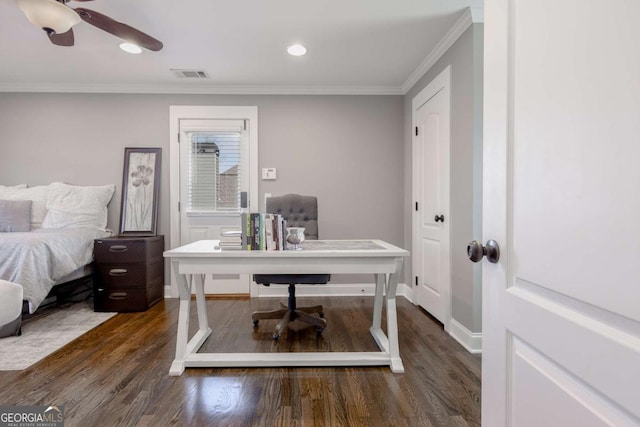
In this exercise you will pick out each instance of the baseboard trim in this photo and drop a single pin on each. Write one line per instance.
(223, 296)
(471, 341)
(407, 292)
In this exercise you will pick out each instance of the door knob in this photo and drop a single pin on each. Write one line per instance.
(439, 218)
(476, 251)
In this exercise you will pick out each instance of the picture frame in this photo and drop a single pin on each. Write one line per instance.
(140, 191)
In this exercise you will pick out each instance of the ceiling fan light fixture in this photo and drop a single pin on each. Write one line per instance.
(130, 48)
(296, 50)
(49, 14)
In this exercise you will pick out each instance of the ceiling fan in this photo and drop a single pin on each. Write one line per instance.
(56, 19)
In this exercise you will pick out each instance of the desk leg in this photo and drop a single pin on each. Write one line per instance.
(392, 319)
(184, 289)
(201, 304)
(377, 302)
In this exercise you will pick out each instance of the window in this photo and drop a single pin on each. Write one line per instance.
(214, 159)
(214, 171)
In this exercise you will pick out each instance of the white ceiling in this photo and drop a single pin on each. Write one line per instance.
(359, 46)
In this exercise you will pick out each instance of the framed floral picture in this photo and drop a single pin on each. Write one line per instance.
(140, 191)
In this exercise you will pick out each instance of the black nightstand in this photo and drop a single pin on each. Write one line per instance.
(129, 273)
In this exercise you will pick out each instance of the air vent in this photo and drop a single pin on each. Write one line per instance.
(190, 74)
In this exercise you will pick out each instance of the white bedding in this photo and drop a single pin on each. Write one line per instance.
(39, 258)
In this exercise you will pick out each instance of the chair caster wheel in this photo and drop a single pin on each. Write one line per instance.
(255, 322)
(319, 330)
(321, 313)
(276, 336)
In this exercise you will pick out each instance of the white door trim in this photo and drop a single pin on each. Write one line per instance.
(178, 112)
(441, 80)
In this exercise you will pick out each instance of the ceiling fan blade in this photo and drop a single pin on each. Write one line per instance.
(63, 39)
(119, 29)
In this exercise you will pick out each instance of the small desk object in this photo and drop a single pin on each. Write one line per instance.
(192, 262)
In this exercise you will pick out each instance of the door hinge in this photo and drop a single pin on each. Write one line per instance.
(178, 206)
(416, 206)
(178, 138)
(245, 125)
(416, 280)
(416, 130)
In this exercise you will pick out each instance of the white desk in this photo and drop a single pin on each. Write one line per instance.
(192, 262)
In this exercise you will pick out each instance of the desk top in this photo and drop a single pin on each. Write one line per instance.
(310, 248)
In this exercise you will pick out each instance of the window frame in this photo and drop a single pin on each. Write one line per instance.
(187, 126)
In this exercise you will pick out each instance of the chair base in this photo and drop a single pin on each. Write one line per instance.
(287, 315)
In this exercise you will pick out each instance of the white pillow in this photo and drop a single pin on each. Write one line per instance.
(77, 206)
(14, 186)
(37, 195)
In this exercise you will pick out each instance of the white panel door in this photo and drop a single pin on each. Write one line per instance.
(561, 308)
(431, 255)
(214, 170)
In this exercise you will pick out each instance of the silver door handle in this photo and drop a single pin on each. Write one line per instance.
(476, 251)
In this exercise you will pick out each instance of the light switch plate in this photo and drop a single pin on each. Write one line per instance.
(268, 173)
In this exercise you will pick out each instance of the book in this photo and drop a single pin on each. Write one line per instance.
(258, 231)
(246, 231)
(231, 238)
(268, 232)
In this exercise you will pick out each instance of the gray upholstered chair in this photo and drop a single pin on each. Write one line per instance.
(298, 211)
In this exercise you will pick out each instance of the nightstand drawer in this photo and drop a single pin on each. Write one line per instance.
(122, 300)
(122, 276)
(120, 252)
(128, 273)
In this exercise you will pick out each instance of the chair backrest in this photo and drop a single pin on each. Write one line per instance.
(299, 211)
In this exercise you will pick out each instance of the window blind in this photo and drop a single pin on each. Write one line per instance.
(214, 171)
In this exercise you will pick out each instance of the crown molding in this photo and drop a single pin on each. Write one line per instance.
(202, 90)
(477, 15)
(471, 15)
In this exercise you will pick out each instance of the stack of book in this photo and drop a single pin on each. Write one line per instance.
(231, 239)
(263, 232)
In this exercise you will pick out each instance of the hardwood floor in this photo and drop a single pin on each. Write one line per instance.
(117, 374)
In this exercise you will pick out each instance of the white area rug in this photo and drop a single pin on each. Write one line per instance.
(48, 332)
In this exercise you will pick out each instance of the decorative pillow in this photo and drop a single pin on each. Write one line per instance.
(77, 206)
(37, 195)
(15, 215)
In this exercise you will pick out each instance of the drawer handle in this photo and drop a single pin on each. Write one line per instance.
(118, 248)
(117, 271)
(118, 295)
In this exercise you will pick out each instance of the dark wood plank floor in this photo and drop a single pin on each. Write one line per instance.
(117, 374)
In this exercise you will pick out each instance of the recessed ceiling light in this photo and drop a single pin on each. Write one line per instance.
(296, 50)
(130, 48)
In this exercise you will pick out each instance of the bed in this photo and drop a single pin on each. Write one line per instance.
(42, 258)
(47, 234)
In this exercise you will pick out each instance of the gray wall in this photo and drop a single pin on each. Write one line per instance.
(465, 58)
(353, 152)
(347, 150)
